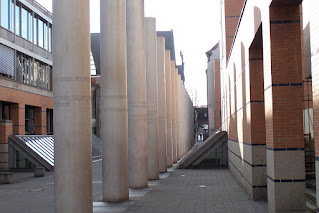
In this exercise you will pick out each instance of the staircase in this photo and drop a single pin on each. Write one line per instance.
(200, 151)
(311, 196)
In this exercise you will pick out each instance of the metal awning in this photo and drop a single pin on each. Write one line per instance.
(39, 149)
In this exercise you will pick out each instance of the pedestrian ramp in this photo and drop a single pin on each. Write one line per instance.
(39, 149)
(201, 151)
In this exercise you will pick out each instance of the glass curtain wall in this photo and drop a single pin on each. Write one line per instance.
(28, 26)
(7, 14)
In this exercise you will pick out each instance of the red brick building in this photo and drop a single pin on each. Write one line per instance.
(268, 66)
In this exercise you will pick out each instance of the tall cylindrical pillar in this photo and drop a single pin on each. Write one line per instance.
(114, 118)
(177, 78)
(179, 115)
(162, 126)
(72, 107)
(173, 98)
(169, 147)
(151, 91)
(136, 87)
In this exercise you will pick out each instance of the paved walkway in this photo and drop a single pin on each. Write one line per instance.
(177, 191)
(199, 191)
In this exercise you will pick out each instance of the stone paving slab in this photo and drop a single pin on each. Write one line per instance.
(198, 191)
(177, 191)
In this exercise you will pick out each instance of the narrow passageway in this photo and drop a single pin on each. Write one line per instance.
(200, 191)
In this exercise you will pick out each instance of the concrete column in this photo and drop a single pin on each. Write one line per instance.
(114, 117)
(178, 110)
(5, 130)
(211, 97)
(173, 94)
(136, 87)
(177, 115)
(178, 77)
(40, 121)
(162, 125)
(72, 107)
(151, 91)
(169, 147)
(180, 117)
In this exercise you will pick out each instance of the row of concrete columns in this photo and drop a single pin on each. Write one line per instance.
(146, 114)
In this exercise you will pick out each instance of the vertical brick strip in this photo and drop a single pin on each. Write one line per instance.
(18, 118)
(40, 121)
(5, 131)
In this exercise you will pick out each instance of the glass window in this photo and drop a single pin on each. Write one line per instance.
(17, 20)
(50, 39)
(29, 120)
(30, 26)
(24, 23)
(40, 22)
(12, 15)
(45, 40)
(35, 33)
(5, 14)
(50, 121)
(36, 73)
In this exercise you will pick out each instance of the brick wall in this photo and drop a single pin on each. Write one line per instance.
(262, 100)
(232, 13)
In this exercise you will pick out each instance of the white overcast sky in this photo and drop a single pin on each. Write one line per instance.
(196, 25)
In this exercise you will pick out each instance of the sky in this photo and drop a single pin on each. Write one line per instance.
(196, 26)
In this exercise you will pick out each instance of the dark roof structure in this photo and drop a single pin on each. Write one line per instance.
(169, 42)
(181, 71)
(95, 48)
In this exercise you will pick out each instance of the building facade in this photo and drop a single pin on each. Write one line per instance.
(268, 72)
(26, 105)
(213, 89)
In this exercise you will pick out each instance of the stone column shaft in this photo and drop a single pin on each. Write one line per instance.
(173, 85)
(151, 91)
(169, 147)
(162, 126)
(114, 115)
(72, 107)
(180, 116)
(136, 86)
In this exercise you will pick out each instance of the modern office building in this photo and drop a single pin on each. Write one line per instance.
(26, 84)
(25, 72)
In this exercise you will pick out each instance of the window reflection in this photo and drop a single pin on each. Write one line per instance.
(35, 33)
(33, 72)
(29, 26)
(17, 20)
(40, 22)
(24, 23)
(5, 14)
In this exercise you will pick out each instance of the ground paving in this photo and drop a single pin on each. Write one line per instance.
(197, 191)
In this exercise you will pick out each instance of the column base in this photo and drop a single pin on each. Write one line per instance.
(6, 177)
(39, 172)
